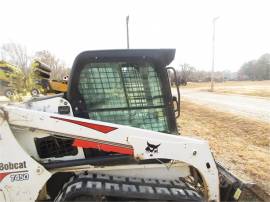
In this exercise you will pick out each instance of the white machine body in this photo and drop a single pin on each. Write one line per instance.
(22, 175)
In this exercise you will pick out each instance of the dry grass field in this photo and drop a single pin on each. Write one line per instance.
(242, 145)
(250, 88)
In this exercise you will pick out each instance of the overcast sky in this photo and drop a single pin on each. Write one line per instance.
(68, 27)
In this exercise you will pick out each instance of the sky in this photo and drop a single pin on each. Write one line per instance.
(68, 27)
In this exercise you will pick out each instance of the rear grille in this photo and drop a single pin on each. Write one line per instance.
(57, 147)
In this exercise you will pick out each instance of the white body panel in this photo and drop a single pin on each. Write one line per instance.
(47, 104)
(26, 138)
(187, 150)
(12, 153)
(155, 171)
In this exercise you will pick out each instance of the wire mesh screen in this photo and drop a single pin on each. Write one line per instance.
(124, 94)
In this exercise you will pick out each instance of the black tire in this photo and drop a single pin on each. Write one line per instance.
(9, 93)
(88, 198)
(102, 187)
(35, 92)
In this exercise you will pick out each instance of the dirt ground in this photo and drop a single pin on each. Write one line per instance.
(250, 88)
(242, 145)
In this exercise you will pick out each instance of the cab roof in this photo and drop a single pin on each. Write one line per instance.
(162, 57)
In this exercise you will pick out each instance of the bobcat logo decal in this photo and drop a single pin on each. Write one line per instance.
(151, 148)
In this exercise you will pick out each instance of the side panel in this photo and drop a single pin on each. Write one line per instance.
(26, 138)
(47, 105)
(21, 178)
(154, 171)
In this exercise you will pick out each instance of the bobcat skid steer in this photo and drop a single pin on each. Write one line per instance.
(111, 137)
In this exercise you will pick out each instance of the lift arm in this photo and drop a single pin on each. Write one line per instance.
(142, 144)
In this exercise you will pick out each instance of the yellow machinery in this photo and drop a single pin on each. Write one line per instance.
(11, 79)
(40, 80)
(58, 86)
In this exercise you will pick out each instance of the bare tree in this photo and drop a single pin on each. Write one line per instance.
(16, 54)
(183, 76)
(58, 67)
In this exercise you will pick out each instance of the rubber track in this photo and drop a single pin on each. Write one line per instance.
(128, 188)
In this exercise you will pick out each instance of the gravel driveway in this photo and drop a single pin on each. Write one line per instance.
(251, 107)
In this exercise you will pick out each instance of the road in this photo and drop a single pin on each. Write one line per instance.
(251, 107)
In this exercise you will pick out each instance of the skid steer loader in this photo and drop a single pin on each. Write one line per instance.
(11, 79)
(111, 137)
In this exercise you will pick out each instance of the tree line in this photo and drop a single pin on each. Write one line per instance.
(17, 54)
(254, 70)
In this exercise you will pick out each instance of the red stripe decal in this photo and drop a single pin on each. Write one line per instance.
(102, 146)
(97, 127)
(3, 175)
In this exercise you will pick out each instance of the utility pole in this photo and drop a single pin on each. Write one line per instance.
(127, 21)
(213, 54)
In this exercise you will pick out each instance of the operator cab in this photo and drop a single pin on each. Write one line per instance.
(127, 87)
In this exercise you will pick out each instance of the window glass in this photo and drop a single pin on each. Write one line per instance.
(128, 94)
